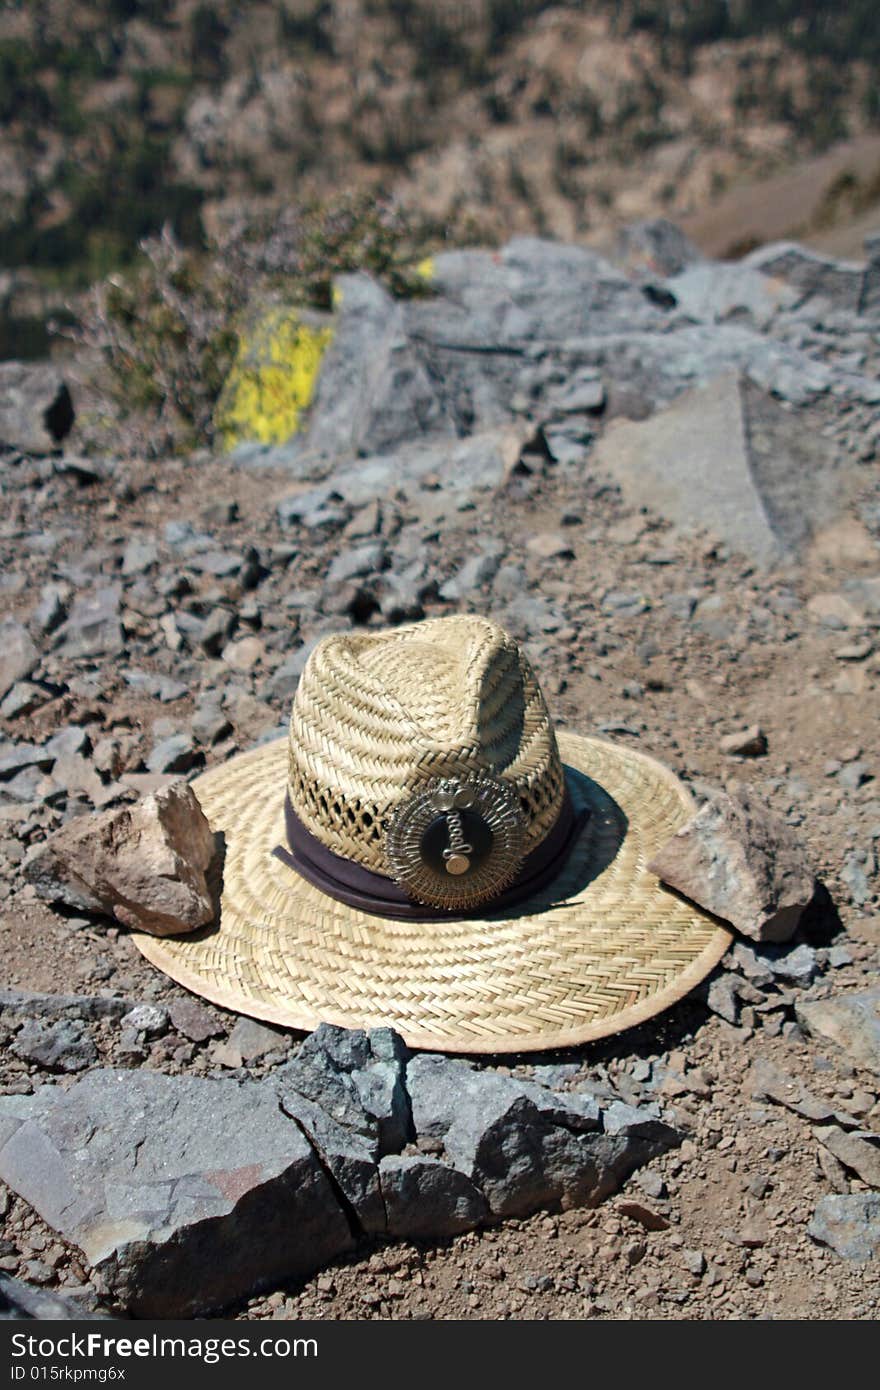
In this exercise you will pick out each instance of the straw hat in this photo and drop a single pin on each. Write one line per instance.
(425, 852)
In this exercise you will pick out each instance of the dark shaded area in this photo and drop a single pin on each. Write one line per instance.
(60, 415)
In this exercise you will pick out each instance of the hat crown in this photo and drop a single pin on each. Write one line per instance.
(378, 715)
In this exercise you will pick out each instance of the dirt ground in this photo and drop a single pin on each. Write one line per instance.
(714, 1230)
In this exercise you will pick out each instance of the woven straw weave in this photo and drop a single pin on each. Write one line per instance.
(378, 714)
(604, 948)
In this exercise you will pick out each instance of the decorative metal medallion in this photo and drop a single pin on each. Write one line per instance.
(457, 842)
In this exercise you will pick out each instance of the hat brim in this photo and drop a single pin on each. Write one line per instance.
(602, 948)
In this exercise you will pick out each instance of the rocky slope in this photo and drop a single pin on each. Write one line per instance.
(536, 410)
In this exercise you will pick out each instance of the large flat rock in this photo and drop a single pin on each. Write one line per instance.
(727, 458)
(183, 1193)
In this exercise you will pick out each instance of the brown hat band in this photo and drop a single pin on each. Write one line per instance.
(361, 888)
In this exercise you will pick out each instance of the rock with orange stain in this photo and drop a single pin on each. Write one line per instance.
(183, 1193)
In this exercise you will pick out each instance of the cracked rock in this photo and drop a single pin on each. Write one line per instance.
(358, 1079)
(424, 1198)
(183, 1193)
(523, 1146)
(145, 865)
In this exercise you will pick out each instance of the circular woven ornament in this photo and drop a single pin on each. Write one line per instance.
(602, 948)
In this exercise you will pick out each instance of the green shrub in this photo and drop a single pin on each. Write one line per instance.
(166, 330)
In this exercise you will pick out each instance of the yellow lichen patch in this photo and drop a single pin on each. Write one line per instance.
(425, 268)
(272, 380)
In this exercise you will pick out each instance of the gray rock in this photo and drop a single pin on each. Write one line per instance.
(22, 699)
(139, 556)
(67, 742)
(26, 1003)
(51, 609)
(657, 246)
(382, 1089)
(583, 394)
(795, 965)
(752, 965)
(746, 743)
(850, 1225)
(150, 1019)
(18, 655)
(199, 1191)
(358, 1079)
(694, 1262)
(174, 754)
(210, 724)
(855, 876)
(400, 595)
(285, 678)
(356, 563)
(474, 573)
(145, 865)
(523, 1146)
(859, 1151)
(15, 756)
(216, 630)
(712, 293)
(156, 685)
(850, 1020)
(21, 1300)
(837, 282)
(61, 1046)
(510, 581)
(348, 1156)
(93, 627)
(769, 1082)
(346, 1089)
(193, 1020)
(36, 411)
(219, 563)
(726, 457)
(373, 391)
(426, 1199)
(248, 1041)
(723, 998)
(740, 862)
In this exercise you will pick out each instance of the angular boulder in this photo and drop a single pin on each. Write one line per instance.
(850, 1020)
(727, 457)
(145, 865)
(18, 655)
(21, 1300)
(848, 1224)
(425, 1198)
(738, 861)
(36, 411)
(346, 1089)
(93, 627)
(183, 1193)
(523, 1146)
(840, 283)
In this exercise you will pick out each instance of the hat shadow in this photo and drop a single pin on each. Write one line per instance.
(597, 844)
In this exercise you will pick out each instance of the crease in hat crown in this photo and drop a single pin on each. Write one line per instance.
(376, 716)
